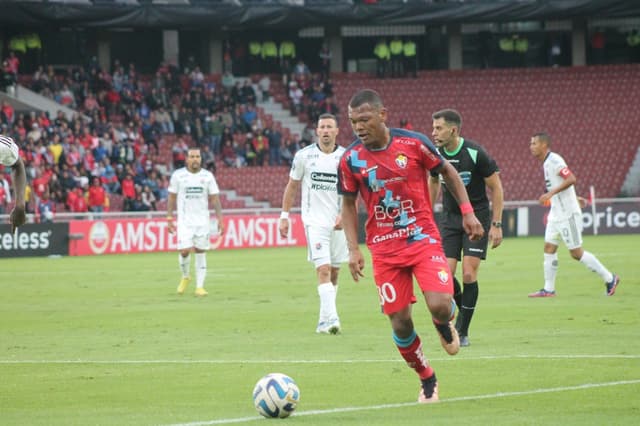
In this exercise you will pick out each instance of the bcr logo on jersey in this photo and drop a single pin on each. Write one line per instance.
(392, 212)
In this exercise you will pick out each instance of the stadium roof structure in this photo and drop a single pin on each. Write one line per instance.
(262, 14)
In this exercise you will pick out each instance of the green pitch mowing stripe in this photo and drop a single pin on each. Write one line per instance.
(310, 361)
(408, 404)
(105, 341)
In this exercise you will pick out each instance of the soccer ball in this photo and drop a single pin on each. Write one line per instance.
(276, 395)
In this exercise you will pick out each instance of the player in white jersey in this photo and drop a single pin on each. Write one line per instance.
(10, 157)
(315, 169)
(564, 220)
(191, 190)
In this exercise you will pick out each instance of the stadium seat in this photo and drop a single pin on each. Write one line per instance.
(590, 112)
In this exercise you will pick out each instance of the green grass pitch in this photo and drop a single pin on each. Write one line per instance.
(106, 341)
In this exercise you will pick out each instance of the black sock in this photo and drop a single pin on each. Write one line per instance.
(468, 306)
(457, 297)
(444, 331)
(457, 292)
(428, 385)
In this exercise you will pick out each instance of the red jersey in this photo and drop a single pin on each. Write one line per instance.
(393, 184)
(39, 185)
(86, 140)
(80, 205)
(97, 196)
(72, 197)
(128, 188)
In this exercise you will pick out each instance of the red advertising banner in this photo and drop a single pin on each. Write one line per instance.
(91, 237)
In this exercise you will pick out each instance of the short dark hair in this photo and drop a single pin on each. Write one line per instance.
(450, 116)
(326, 115)
(366, 96)
(543, 137)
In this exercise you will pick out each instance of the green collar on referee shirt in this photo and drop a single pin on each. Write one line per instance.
(457, 150)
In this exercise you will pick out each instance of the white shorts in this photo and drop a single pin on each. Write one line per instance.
(326, 246)
(569, 230)
(193, 236)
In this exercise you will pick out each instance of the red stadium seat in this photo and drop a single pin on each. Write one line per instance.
(590, 112)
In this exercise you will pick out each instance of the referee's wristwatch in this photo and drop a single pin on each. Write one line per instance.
(497, 224)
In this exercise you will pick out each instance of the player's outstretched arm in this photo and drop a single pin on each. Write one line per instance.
(583, 202)
(290, 192)
(17, 217)
(338, 224)
(350, 225)
(214, 200)
(171, 207)
(434, 189)
(470, 222)
(497, 203)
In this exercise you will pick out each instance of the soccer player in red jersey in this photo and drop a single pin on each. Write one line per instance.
(389, 168)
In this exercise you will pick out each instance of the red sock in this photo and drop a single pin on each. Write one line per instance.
(415, 358)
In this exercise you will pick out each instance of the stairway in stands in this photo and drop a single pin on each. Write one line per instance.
(591, 113)
(277, 108)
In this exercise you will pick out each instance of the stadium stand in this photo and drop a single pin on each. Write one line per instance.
(590, 112)
(261, 183)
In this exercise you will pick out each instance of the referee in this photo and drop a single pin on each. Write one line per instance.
(478, 171)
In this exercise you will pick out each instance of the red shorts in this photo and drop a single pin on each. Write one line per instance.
(394, 276)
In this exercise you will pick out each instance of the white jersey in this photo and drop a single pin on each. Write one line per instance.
(193, 191)
(319, 174)
(9, 151)
(565, 203)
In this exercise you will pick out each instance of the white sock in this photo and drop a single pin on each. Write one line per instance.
(550, 266)
(327, 301)
(201, 269)
(334, 295)
(185, 264)
(592, 262)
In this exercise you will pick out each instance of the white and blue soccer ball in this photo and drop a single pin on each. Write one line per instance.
(276, 395)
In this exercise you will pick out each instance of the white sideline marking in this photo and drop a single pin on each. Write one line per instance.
(306, 361)
(407, 404)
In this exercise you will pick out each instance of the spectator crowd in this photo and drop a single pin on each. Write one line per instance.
(129, 132)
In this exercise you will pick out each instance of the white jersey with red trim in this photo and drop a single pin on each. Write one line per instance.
(318, 172)
(9, 151)
(565, 203)
(193, 191)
